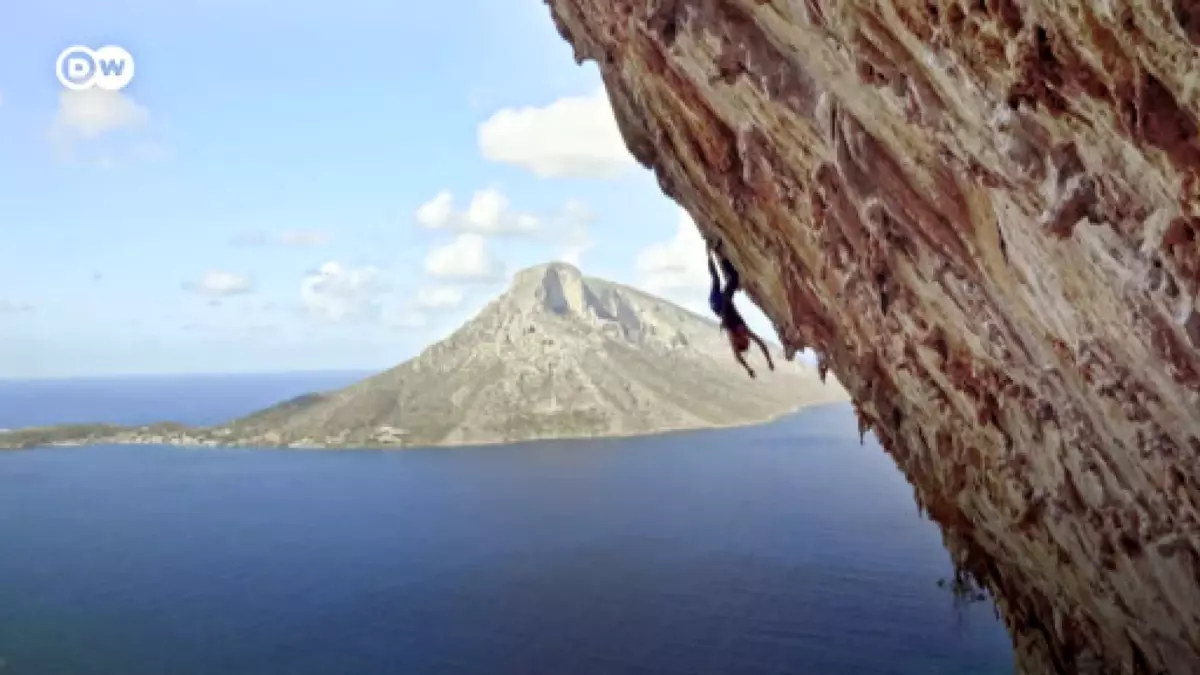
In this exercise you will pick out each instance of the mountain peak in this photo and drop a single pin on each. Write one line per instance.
(558, 287)
(552, 267)
(559, 354)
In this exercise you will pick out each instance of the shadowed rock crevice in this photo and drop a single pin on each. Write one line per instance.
(983, 216)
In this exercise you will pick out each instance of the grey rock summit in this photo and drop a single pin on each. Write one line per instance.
(558, 355)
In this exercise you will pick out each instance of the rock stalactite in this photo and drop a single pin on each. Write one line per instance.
(983, 216)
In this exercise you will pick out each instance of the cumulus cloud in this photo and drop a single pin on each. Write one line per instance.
(677, 269)
(336, 292)
(219, 284)
(89, 114)
(439, 297)
(288, 238)
(93, 112)
(417, 312)
(466, 259)
(489, 212)
(573, 137)
(437, 212)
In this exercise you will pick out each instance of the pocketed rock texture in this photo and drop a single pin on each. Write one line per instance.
(983, 216)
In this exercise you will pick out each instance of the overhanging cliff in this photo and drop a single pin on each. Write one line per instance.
(983, 216)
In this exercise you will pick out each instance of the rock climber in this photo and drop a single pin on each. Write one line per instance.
(721, 303)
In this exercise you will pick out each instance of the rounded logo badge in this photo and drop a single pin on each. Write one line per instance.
(79, 68)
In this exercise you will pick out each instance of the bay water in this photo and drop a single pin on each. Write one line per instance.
(776, 549)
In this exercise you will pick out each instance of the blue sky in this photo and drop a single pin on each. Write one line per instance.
(330, 187)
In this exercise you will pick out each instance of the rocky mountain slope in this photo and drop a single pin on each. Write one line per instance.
(984, 217)
(557, 355)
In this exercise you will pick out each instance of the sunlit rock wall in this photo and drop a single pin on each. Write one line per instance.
(983, 216)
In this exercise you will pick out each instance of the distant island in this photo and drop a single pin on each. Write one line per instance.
(558, 355)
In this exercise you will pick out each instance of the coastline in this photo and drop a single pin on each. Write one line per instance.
(212, 438)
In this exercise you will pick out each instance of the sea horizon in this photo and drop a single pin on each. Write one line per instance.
(140, 399)
(205, 374)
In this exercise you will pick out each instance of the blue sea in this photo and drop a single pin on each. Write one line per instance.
(779, 549)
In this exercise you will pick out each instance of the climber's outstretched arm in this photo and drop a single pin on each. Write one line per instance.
(712, 272)
(732, 281)
(716, 300)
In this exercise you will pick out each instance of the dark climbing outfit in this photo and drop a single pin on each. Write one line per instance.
(721, 301)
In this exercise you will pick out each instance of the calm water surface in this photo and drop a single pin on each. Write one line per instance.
(786, 548)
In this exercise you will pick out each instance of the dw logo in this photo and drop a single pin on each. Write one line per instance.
(80, 68)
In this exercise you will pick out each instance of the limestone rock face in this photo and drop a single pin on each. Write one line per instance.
(983, 215)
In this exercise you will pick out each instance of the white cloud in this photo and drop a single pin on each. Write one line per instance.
(488, 213)
(573, 137)
(436, 213)
(337, 293)
(417, 313)
(290, 238)
(83, 118)
(439, 297)
(218, 284)
(488, 210)
(464, 259)
(91, 113)
(303, 238)
(677, 269)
